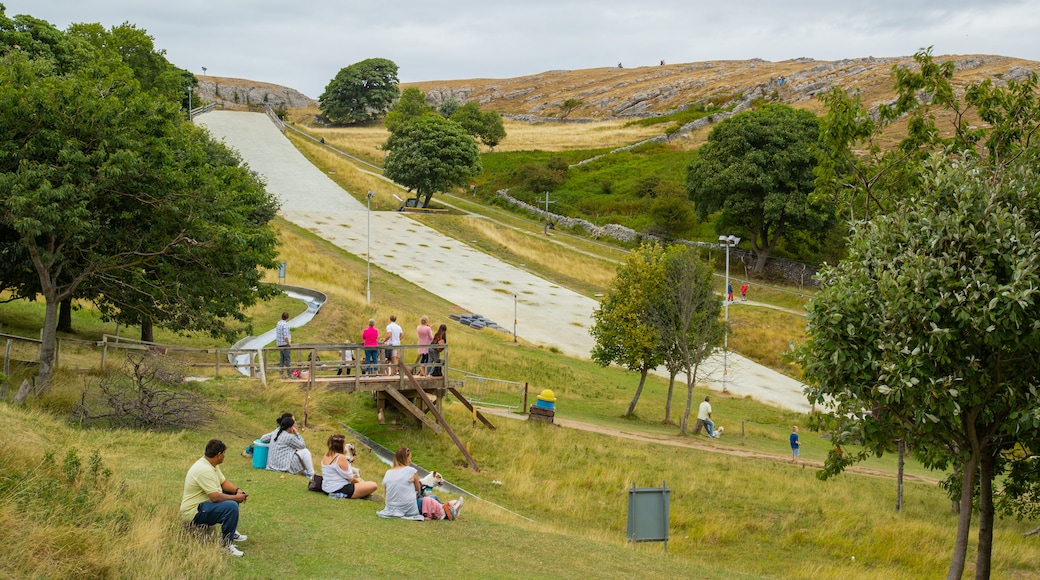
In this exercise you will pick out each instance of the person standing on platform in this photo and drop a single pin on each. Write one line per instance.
(394, 332)
(283, 340)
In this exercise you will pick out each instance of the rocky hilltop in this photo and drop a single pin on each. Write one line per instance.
(650, 90)
(232, 93)
(653, 90)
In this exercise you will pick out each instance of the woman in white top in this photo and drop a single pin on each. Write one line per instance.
(402, 488)
(338, 474)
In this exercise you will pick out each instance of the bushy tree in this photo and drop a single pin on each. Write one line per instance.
(448, 107)
(621, 326)
(431, 154)
(484, 125)
(360, 92)
(932, 325)
(102, 181)
(861, 176)
(408, 108)
(757, 169)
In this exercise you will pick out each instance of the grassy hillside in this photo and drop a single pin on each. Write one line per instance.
(737, 506)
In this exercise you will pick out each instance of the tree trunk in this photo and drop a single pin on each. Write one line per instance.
(48, 340)
(960, 548)
(147, 331)
(899, 476)
(761, 257)
(668, 401)
(639, 391)
(65, 316)
(689, 403)
(984, 557)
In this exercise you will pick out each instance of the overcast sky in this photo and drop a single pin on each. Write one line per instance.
(304, 44)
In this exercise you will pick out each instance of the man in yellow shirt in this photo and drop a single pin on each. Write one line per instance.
(210, 499)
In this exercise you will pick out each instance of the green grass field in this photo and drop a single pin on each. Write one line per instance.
(739, 508)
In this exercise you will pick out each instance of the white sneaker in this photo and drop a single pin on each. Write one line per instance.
(231, 549)
(239, 537)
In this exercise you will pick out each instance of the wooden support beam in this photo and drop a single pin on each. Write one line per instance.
(411, 408)
(469, 406)
(436, 413)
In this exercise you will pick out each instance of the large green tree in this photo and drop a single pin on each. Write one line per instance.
(621, 326)
(202, 286)
(484, 125)
(431, 154)
(757, 169)
(929, 332)
(360, 92)
(408, 108)
(101, 181)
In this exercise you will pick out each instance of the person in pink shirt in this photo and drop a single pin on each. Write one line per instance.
(370, 336)
(425, 337)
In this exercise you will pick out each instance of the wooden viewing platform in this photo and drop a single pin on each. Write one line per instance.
(417, 396)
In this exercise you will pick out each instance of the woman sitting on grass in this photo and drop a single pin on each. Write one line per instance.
(402, 488)
(404, 494)
(338, 474)
(287, 452)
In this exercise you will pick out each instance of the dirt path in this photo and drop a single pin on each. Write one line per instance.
(702, 443)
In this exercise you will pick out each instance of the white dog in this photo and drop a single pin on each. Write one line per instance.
(432, 480)
(718, 431)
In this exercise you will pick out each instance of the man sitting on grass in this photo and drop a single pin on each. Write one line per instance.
(210, 499)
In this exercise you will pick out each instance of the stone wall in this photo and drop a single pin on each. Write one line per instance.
(776, 268)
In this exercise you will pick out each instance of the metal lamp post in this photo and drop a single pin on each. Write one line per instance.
(368, 252)
(728, 242)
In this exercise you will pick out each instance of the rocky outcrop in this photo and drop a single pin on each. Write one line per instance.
(231, 93)
(645, 91)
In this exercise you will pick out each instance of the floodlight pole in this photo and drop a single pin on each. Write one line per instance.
(726, 241)
(514, 318)
(368, 252)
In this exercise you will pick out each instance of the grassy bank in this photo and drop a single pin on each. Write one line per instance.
(738, 507)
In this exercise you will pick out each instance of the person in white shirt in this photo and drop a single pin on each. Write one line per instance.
(394, 332)
(704, 414)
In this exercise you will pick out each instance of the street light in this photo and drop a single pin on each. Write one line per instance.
(368, 252)
(728, 242)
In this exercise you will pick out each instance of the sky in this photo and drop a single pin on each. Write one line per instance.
(302, 45)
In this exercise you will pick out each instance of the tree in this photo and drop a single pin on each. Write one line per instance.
(448, 107)
(862, 177)
(932, 325)
(484, 125)
(100, 180)
(136, 49)
(621, 328)
(757, 168)
(360, 92)
(408, 108)
(686, 316)
(431, 154)
(672, 214)
(218, 275)
(568, 107)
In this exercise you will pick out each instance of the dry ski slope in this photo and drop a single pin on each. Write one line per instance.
(546, 313)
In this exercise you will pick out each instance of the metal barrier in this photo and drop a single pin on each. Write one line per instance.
(490, 392)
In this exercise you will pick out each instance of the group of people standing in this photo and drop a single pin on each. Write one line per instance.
(429, 351)
(428, 362)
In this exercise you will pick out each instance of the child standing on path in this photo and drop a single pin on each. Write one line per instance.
(743, 292)
(795, 444)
